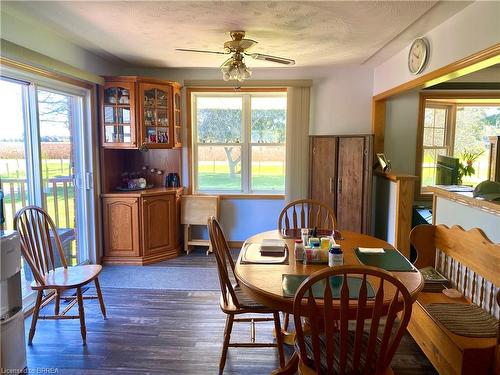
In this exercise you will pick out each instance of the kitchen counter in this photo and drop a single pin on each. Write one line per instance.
(143, 193)
(467, 199)
(461, 208)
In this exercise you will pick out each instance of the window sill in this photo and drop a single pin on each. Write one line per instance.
(246, 196)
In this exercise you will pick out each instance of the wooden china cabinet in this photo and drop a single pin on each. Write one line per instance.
(139, 111)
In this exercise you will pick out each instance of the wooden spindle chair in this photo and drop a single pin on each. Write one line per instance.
(345, 336)
(306, 213)
(235, 302)
(35, 229)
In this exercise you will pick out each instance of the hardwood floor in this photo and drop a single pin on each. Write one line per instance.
(165, 332)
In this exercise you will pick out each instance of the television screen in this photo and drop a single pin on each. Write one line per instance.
(447, 170)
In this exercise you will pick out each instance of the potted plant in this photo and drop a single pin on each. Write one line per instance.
(466, 168)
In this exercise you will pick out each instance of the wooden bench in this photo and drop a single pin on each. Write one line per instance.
(471, 262)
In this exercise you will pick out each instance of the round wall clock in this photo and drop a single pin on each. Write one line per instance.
(418, 55)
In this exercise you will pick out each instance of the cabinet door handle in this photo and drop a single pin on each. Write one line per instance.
(331, 184)
(340, 185)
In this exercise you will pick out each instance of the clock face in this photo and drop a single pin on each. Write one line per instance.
(417, 57)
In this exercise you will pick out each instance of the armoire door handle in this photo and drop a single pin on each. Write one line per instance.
(340, 185)
(331, 184)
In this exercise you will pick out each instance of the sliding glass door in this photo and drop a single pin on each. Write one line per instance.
(44, 160)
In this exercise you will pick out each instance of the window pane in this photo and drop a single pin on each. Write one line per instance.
(268, 168)
(219, 167)
(56, 120)
(268, 119)
(439, 139)
(474, 124)
(428, 136)
(439, 117)
(219, 119)
(429, 165)
(429, 117)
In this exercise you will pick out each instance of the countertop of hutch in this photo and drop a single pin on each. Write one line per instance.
(143, 193)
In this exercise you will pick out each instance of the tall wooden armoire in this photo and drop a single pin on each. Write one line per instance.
(341, 176)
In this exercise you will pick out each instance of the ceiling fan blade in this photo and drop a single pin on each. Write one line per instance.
(276, 59)
(199, 50)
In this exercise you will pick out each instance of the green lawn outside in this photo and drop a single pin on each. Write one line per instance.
(266, 176)
(14, 169)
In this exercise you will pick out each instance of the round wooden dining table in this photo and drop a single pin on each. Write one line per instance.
(263, 282)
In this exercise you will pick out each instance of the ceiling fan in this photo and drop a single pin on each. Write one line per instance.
(234, 68)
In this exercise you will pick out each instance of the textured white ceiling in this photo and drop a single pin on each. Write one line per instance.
(147, 33)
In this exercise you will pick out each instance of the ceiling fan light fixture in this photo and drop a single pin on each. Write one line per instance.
(235, 69)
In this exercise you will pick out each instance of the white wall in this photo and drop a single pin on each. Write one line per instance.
(35, 37)
(400, 138)
(340, 96)
(475, 28)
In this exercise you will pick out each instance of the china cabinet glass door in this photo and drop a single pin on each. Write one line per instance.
(155, 115)
(118, 115)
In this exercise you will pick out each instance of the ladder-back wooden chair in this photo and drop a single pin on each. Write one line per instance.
(306, 213)
(234, 301)
(345, 335)
(35, 229)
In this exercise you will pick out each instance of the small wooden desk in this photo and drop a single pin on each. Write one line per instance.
(263, 281)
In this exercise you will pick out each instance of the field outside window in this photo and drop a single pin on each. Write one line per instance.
(239, 144)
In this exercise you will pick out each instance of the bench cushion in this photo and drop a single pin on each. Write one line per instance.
(464, 320)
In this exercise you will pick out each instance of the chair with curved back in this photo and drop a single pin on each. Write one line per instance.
(345, 333)
(234, 301)
(306, 213)
(35, 229)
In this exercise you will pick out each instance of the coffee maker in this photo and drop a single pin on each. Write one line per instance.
(173, 180)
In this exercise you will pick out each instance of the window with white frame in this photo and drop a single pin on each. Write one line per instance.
(239, 142)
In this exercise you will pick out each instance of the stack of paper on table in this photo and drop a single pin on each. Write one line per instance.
(371, 250)
(272, 246)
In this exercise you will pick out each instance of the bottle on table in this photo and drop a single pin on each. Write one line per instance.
(335, 256)
(299, 250)
(304, 235)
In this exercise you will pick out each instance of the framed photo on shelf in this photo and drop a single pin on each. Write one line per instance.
(383, 162)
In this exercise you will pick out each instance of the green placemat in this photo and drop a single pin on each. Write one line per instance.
(292, 282)
(390, 260)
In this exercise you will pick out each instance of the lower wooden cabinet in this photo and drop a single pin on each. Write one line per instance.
(158, 217)
(140, 229)
(121, 227)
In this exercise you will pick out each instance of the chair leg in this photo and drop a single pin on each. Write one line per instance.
(286, 320)
(34, 318)
(57, 302)
(227, 336)
(99, 295)
(279, 338)
(81, 313)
